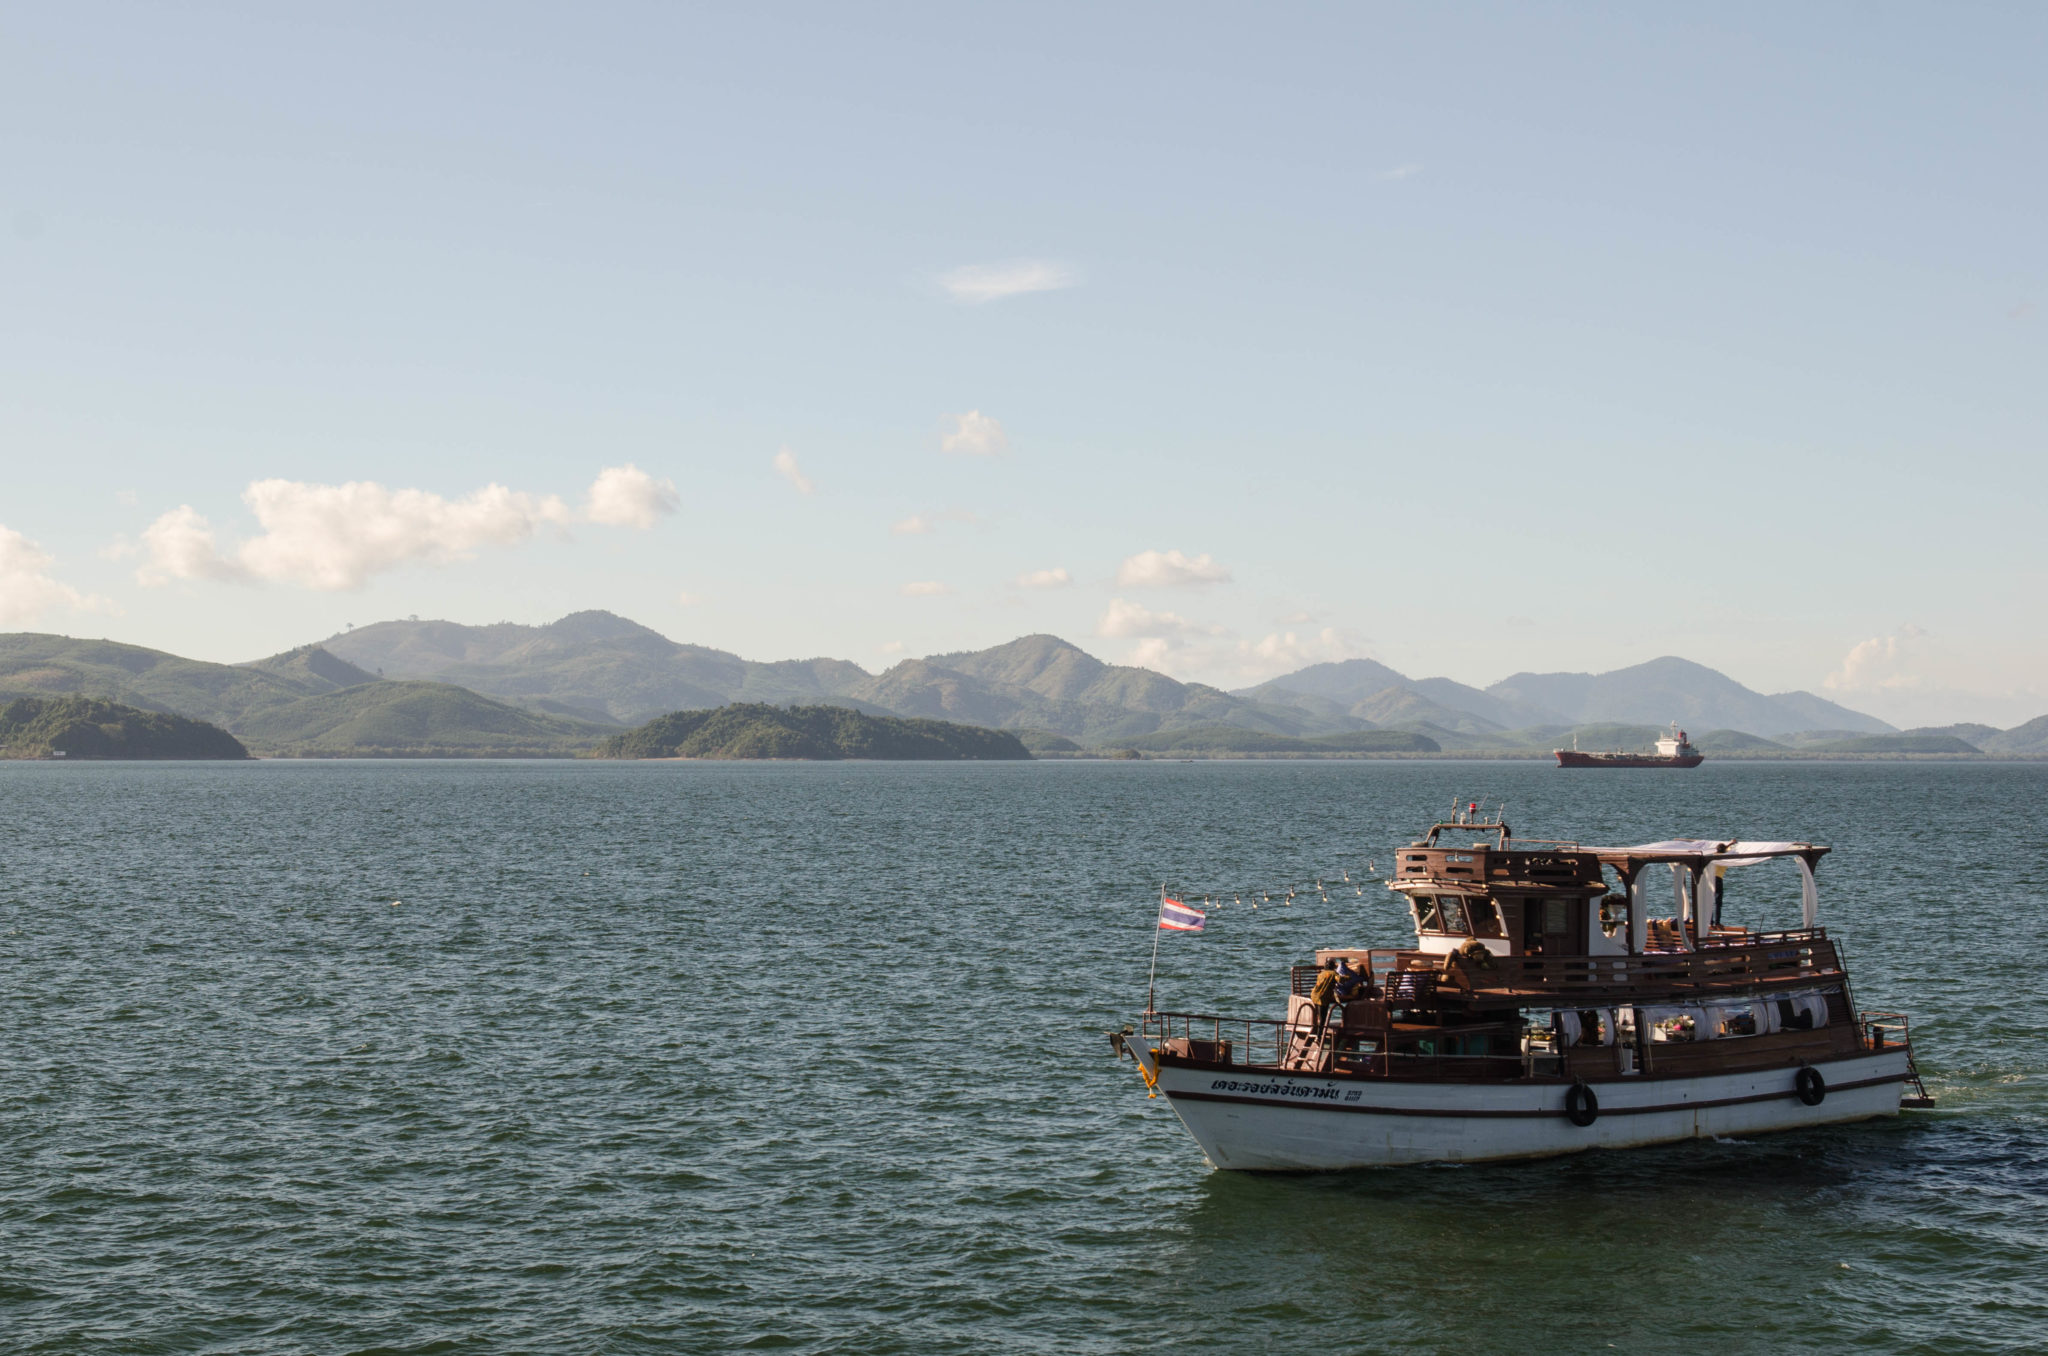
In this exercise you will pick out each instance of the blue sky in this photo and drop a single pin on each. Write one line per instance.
(1476, 340)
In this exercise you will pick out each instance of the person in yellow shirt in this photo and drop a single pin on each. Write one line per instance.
(1322, 995)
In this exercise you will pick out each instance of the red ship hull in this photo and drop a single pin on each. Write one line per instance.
(1573, 758)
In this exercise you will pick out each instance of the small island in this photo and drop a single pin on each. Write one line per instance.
(74, 728)
(756, 730)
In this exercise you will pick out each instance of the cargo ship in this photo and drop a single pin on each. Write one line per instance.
(1673, 750)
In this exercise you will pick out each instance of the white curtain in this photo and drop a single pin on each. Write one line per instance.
(1681, 881)
(1809, 894)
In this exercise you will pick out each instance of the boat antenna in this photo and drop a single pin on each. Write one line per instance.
(1156, 930)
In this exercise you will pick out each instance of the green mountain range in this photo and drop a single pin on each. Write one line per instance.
(413, 719)
(305, 701)
(35, 664)
(1653, 693)
(81, 727)
(591, 665)
(755, 730)
(563, 687)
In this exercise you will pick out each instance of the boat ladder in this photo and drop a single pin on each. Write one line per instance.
(1887, 1029)
(1309, 1051)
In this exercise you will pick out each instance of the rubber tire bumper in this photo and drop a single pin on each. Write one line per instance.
(1581, 1107)
(1809, 1086)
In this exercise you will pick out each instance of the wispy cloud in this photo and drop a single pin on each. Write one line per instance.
(1400, 172)
(28, 589)
(918, 524)
(1055, 578)
(976, 435)
(977, 283)
(1169, 570)
(1285, 651)
(925, 588)
(341, 536)
(786, 467)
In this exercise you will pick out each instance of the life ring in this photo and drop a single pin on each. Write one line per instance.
(1811, 1087)
(1581, 1107)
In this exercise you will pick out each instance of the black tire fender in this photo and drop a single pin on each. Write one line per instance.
(1809, 1086)
(1581, 1107)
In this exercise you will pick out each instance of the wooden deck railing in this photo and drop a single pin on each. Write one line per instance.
(1415, 978)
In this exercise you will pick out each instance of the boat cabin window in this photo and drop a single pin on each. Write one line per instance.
(1484, 915)
(1459, 915)
(1452, 909)
(1446, 913)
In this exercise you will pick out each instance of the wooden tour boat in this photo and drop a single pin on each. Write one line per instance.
(1542, 1012)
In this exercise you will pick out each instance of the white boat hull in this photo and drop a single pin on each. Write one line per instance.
(1251, 1121)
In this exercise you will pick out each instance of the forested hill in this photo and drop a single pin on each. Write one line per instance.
(749, 730)
(80, 727)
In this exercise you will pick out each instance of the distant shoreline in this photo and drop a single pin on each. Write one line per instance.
(1520, 756)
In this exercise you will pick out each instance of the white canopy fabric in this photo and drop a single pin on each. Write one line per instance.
(1724, 851)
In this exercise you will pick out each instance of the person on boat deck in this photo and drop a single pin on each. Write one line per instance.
(1323, 994)
(1353, 981)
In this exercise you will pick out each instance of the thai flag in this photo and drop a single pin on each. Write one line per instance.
(1175, 916)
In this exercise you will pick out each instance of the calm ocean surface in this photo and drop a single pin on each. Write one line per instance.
(702, 1057)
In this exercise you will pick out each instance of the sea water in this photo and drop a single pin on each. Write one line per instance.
(590, 1057)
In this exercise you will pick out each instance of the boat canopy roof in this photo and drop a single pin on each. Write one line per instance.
(1704, 852)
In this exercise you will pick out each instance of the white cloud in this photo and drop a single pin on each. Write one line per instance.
(1169, 569)
(685, 598)
(890, 647)
(338, 536)
(1172, 643)
(924, 588)
(1127, 619)
(1285, 651)
(341, 536)
(180, 545)
(1055, 578)
(28, 589)
(976, 283)
(626, 496)
(1400, 172)
(977, 435)
(786, 467)
(1880, 664)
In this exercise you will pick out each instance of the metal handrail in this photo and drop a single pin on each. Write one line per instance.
(1297, 1048)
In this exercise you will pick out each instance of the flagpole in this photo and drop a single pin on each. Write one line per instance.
(1156, 930)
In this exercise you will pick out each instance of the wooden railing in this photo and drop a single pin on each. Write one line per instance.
(1414, 978)
(1281, 1049)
